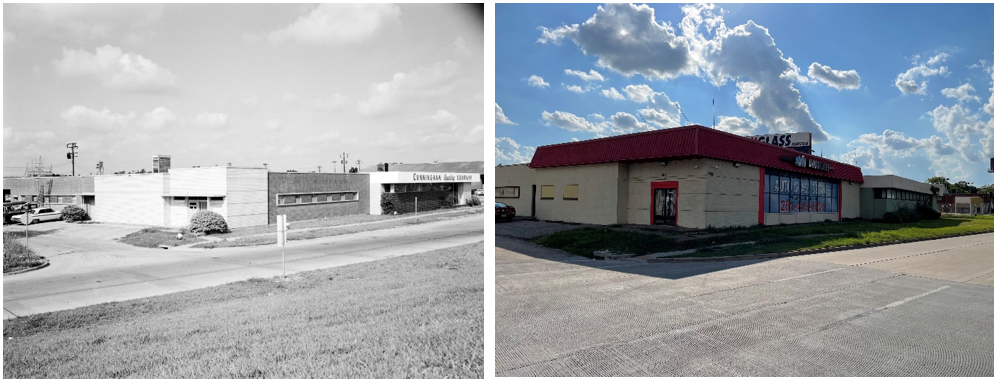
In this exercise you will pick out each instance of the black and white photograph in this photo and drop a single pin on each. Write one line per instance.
(244, 191)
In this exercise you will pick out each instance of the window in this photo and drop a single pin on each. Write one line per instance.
(348, 196)
(547, 192)
(787, 192)
(322, 197)
(507, 192)
(570, 192)
(315, 198)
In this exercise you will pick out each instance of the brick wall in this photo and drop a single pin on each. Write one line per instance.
(295, 183)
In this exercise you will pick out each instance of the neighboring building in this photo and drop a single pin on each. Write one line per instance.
(309, 196)
(54, 192)
(415, 191)
(476, 167)
(965, 203)
(888, 193)
(161, 163)
(689, 176)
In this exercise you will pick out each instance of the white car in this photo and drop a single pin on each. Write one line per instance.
(480, 193)
(38, 215)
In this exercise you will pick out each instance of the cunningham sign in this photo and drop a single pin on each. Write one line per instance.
(443, 177)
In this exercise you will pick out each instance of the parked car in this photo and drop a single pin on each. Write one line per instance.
(505, 212)
(14, 208)
(38, 215)
(480, 193)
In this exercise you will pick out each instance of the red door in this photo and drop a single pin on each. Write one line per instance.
(664, 203)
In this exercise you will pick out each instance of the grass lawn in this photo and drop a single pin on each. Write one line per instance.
(16, 256)
(417, 316)
(768, 239)
(153, 237)
(334, 227)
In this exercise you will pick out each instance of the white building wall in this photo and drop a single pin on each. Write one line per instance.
(691, 177)
(598, 193)
(130, 199)
(246, 197)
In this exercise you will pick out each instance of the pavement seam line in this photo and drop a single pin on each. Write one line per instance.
(924, 253)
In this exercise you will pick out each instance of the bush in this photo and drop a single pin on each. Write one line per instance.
(903, 214)
(387, 206)
(927, 213)
(74, 213)
(208, 223)
(474, 201)
(450, 200)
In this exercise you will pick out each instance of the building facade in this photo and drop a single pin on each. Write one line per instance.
(689, 176)
(889, 193)
(309, 196)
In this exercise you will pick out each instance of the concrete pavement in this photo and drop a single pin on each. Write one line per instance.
(98, 272)
(904, 310)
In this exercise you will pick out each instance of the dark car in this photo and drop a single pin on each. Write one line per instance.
(505, 212)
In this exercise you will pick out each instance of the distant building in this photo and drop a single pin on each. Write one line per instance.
(888, 193)
(161, 163)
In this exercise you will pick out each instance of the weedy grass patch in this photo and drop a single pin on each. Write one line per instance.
(417, 316)
(154, 237)
(16, 256)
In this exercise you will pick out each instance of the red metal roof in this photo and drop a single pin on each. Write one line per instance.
(685, 142)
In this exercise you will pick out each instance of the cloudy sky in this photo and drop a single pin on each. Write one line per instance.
(902, 89)
(288, 85)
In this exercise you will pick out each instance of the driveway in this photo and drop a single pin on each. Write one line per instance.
(99, 270)
(918, 309)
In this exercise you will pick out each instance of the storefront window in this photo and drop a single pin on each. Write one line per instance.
(797, 193)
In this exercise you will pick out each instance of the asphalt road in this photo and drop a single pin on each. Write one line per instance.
(918, 309)
(87, 267)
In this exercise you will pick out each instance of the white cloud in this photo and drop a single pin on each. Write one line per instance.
(625, 123)
(132, 22)
(638, 93)
(89, 120)
(575, 88)
(627, 38)
(420, 84)
(333, 102)
(569, 121)
(338, 24)
(612, 94)
(509, 151)
(500, 118)
(158, 118)
(537, 81)
(128, 72)
(838, 79)
(961, 93)
(289, 99)
(593, 75)
(910, 81)
(211, 120)
(737, 125)
(249, 100)
(939, 58)
(273, 124)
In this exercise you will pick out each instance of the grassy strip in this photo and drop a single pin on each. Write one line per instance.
(153, 237)
(769, 239)
(16, 256)
(331, 231)
(417, 316)
(340, 220)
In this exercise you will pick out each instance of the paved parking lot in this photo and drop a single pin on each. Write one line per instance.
(919, 309)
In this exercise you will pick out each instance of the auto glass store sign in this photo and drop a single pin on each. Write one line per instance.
(805, 162)
(792, 140)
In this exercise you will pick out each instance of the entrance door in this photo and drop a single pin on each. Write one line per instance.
(534, 197)
(664, 203)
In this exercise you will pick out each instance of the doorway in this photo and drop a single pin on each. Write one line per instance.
(664, 203)
(534, 198)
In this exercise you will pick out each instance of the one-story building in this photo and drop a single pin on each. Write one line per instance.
(888, 193)
(690, 176)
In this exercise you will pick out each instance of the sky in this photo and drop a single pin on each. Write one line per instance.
(293, 86)
(903, 89)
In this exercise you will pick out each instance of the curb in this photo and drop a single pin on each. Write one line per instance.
(41, 266)
(795, 253)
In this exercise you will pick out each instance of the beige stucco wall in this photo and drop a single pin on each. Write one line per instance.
(516, 176)
(598, 193)
(733, 197)
(851, 199)
(691, 178)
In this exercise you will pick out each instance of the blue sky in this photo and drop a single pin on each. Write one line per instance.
(291, 85)
(901, 89)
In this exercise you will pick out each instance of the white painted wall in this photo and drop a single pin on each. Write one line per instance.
(130, 199)
(246, 197)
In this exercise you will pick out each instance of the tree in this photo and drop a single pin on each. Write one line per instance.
(939, 180)
(963, 187)
(987, 189)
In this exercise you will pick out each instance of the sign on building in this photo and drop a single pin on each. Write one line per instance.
(798, 141)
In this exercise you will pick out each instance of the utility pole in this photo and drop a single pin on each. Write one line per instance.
(358, 165)
(343, 160)
(320, 168)
(72, 155)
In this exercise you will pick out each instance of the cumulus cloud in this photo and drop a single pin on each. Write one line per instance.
(612, 93)
(625, 123)
(509, 151)
(537, 81)
(500, 118)
(333, 102)
(89, 120)
(569, 121)
(331, 24)
(627, 38)
(737, 125)
(211, 119)
(158, 118)
(575, 88)
(429, 81)
(661, 111)
(593, 75)
(127, 72)
(838, 79)
(913, 81)
(961, 93)
(132, 22)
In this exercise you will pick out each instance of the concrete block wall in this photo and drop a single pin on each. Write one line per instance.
(295, 183)
(733, 196)
(246, 193)
(692, 182)
(130, 199)
(518, 176)
(598, 193)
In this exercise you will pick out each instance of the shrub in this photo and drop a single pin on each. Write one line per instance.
(74, 213)
(474, 201)
(208, 223)
(903, 214)
(387, 206)
(450, 200)
(927, 213)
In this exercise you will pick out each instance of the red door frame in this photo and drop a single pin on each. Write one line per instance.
(652, 199)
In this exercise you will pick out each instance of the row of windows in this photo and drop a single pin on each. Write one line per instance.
(409, 188)
(896, 194)
(569, 192)
(787, 192)
(507, 192)
(49, 199)
(315, 198)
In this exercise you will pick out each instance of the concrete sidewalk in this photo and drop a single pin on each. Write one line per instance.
(87, 278)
